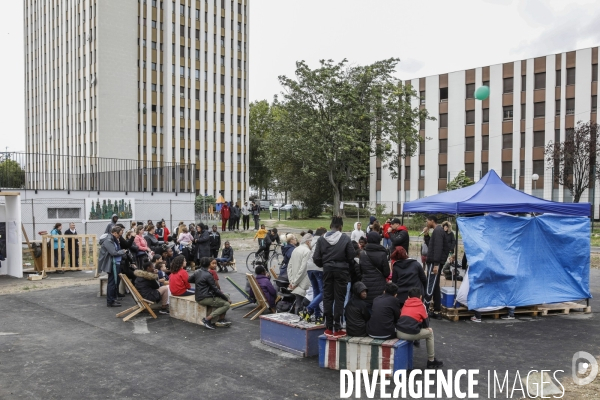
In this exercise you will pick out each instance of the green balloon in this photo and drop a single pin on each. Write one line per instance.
(482, 92)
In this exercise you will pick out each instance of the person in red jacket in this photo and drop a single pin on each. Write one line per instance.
(178, 280)
(413, 324)
(225, 213)
(387, 242)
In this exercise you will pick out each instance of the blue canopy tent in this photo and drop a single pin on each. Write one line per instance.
(492, 195)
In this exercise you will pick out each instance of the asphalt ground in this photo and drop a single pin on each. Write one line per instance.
(66, 344)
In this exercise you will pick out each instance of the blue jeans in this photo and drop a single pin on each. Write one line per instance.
(222, 260)
(316, 281)
(387, 243)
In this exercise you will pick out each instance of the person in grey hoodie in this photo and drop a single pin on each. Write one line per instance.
(334, 253)
(111, 224)
(109, 261)
(315, 274)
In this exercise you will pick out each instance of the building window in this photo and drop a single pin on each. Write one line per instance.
(470, 143)
(485, 116)
(443, 120)
(484, 168)
(539, 138)
(507, 169)
(507, 113)
(507, 141)
(570, 76)
(60, 213)
(522, 140)
(594, 72)
(407, 172)
(470, 170)
(594, 104)
(422, 147)
(521, 168)
(538, 167)
(557, 136)
(470, 91)
(406, 195)
(540, 80)
(421, 172)
(444, 94)
(443, 146)
(470, 117)
(557, 107)
(485, 142)
(523, 111)
(422, 124)
(422, 96)
(523, 83)
(443, 172)
(378, 173)
(539, 109)
(570, 106)
(558, 77)
(508, 85)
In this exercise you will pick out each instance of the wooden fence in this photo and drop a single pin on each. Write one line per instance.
(84, 257)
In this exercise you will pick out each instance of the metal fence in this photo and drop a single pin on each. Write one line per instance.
(36, 171)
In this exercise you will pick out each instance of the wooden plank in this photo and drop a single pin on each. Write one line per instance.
(142, 304)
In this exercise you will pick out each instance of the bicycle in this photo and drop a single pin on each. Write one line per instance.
(274, 259)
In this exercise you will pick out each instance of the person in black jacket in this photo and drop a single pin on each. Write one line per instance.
(334, 253)
(215, 242)
(356, 311)
(386, 311)
(209, 295)
(202, 242)
(407, 274)
(398, 234)
(435, 257)
(374, 267)
(450, 244)
(146, 282)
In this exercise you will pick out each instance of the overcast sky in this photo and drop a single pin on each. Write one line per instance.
(429, 37)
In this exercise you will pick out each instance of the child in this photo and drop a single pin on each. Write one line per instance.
(161, 268)
(386, 310)
(210, 264)
(226, 257)
(260, 234)
(414, 324)
(356, 311)
(267, 287)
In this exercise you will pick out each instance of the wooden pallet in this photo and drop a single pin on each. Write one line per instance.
(564, 308)
(455, 314)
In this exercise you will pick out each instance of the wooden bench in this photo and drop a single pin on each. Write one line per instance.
(288, 332)
(366, 353)
(141, 304)
(231, 264)
(187, 309)
(103, 285)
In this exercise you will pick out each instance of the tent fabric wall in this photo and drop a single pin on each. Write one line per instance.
(521, 261)
(491, 194)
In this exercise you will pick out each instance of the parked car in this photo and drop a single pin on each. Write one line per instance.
(277, 206)
(264, 204)
(289, 207)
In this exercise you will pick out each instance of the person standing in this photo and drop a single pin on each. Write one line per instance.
(231, 222)
(73, 246)
(297, 270)
(315, 275)
(256, 215)
(245, 216)
(387, 243)
(398, 234)
(109, 261)
(202, 242)
(357, 233)
(334, 253)
(270, 211)
(225, 214)
(59, 247)
(435, 256)
(236, 217)
(449, 236)
(215, 242)
(111, 224)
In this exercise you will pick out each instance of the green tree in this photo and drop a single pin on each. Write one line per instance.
(461, 181)
(332, 119)
(11, 174)
(261, 121)
(201, 203)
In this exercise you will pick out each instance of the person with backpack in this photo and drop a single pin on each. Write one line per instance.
(374, 267)
(334, 253)
(413, 325)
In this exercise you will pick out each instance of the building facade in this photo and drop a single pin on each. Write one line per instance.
(161, 82)
(532, 102)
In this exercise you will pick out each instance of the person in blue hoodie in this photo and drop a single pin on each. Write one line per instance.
(286, 250)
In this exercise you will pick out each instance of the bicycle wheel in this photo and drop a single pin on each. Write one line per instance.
(274, 262)
(251, 261)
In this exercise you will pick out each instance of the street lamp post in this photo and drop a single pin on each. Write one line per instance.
(535, 178)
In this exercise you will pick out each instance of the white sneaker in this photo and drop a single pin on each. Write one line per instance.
(475, 319)
(507, 317)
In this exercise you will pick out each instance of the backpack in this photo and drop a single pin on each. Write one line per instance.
(283, 306)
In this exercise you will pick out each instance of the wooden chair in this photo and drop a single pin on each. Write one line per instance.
(274, 274)
(243, 293)
(261, 302)
(141, 303)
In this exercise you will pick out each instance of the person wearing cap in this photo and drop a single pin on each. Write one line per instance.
(111, 224)
(398, 234)
(374, 267)
(297, 270)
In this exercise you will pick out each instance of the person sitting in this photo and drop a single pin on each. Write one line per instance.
(226, 257)
(374, 267)
(141, 245)
(150, 237)
(211, 265)
(161, 270)
(266, 286)
(385, 314)
(413, 324)
(178, 280)
(209, 295)
(451, 269)
(407, 274)
(356, 312)
(146, 282)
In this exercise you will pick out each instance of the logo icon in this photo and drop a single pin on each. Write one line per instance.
(580, 368)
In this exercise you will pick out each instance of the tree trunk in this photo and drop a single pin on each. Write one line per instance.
(336, 201)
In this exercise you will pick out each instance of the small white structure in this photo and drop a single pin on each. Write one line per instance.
(10, 214)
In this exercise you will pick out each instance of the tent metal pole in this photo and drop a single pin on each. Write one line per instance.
(455, 260)
(402, 219)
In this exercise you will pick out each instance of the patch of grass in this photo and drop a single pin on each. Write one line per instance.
(26, 288)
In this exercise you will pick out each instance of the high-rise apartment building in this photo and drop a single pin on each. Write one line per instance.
(531, 103)
(161, 82)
